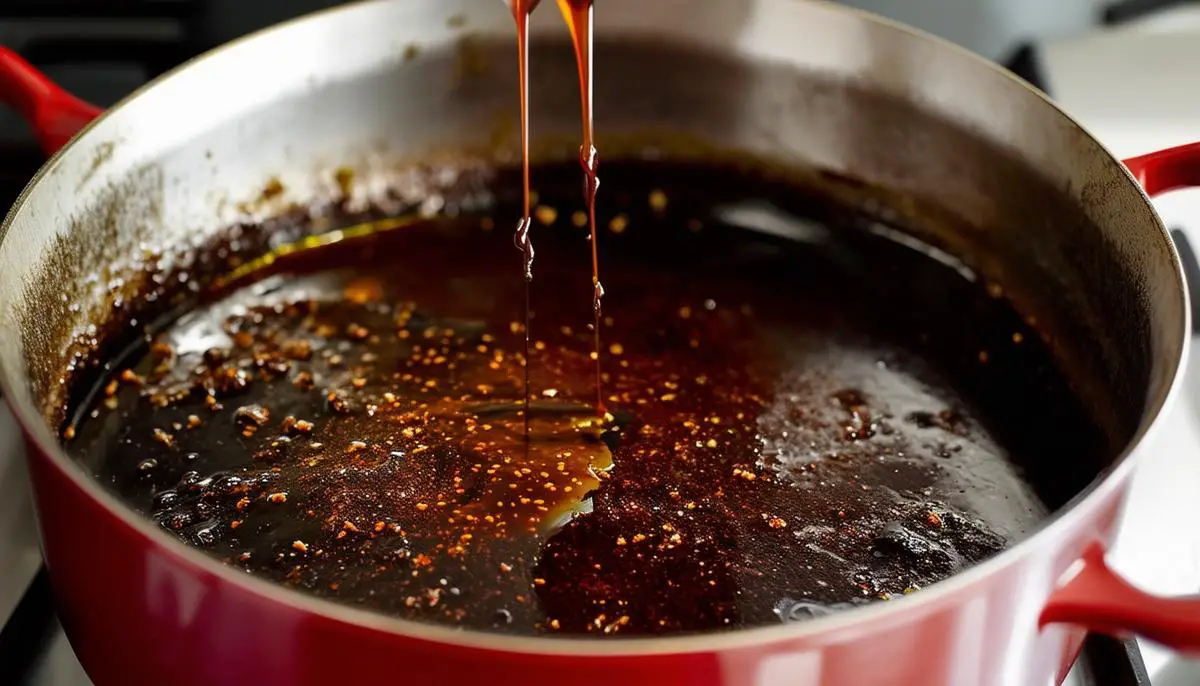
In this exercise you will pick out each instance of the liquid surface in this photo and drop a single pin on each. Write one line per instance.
(806, 413)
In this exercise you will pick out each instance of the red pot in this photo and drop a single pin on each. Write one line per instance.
(166, 168)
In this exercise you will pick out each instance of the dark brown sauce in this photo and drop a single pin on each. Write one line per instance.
(807, 415)
(789, 437)
(578, 15)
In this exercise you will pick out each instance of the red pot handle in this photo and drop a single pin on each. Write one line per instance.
(55, 115)
(1167, 170)
(1099, 600)
(1095, 597)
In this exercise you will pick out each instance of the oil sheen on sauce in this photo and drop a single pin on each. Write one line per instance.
(806, 414)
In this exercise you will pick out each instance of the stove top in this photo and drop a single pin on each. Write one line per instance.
(102, 51)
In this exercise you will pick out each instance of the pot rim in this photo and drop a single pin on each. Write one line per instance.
(45, 445)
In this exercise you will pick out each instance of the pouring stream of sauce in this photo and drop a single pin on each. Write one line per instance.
(578, 15)
(521, 11)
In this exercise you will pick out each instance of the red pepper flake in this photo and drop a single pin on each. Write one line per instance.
(252, 416)
(211, 402)
(213, 357)
(160, 349)
(229, 379)
(357, 332)
(356, 447)
(774, 522)
(164, 437)
(304, 381)
(193, 421)
(69, 432)
(243, 503)
(744, 474)
(505, 567)
(337, 402)
(111, 389)
(349, 526)
(294, 427)
(235, 524)
(280, 497)
(296, 349)
(933, 519)
(300, 546)
(130, 377)
(363, 290)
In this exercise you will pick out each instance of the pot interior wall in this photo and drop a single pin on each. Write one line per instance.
(972, 161)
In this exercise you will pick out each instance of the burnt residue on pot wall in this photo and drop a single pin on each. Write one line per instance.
(91, 277)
